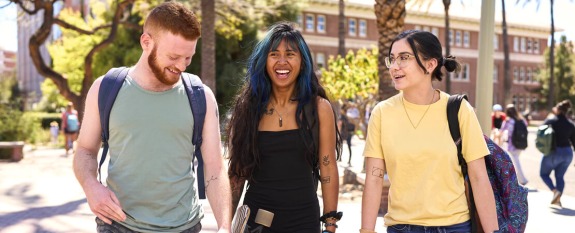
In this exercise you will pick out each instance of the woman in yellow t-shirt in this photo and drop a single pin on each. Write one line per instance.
(409, 141)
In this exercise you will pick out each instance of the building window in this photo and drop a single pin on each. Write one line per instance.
(320, 60)
(536, 46)
(309, 23)
(515, 44)
(458, 38)
(529, 78)
(495, 73)
(299, 20)
(521, 74)
(523, 43)
(321, 23)
(466, 39)
(450, 37)
(515, 99)
(529, 45)
(352, 31)
(417, 27)
(362, 28)
(427, 28)
(463, 75)
(435, 31)
(515, 74)
(495, 42)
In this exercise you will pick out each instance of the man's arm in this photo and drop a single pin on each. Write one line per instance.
(329, 176)
(101, 200)
(215, 172)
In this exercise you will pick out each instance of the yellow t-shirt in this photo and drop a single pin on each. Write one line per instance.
(426, 180)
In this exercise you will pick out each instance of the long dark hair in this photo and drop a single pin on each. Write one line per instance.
(251, 102)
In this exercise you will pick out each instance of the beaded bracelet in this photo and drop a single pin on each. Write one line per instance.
(329, 224)
(331, 215)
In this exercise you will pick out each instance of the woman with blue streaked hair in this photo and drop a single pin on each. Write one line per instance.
(277, 114)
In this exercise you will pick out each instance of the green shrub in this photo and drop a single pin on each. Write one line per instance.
(18, 126)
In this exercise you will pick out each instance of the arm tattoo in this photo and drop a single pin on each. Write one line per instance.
(325, 180)
(211, 179)
(378, 172)
(325, 160)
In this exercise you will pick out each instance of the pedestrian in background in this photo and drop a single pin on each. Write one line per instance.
(271, 141)
(70, 126)
(346, 128)
(54, 133)
(150, 183)
(559, 159)
(497, 119)
(409, 140)
(508, 127)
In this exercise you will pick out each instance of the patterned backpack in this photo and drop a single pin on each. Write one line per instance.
(510, 197)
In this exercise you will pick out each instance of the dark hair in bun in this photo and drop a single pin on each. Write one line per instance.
(426, 46)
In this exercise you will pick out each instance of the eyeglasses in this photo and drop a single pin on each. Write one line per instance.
(400, 60)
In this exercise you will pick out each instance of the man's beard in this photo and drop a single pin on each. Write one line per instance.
(159, 71)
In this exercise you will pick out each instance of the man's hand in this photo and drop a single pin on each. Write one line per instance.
(104, 204)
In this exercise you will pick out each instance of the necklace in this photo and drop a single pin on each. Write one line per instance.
(273, 109)
(420, 119)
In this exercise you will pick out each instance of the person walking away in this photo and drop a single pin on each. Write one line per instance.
(559, 159)
(513, 118)
(347, 129)
(150, 183)
(70, 126)
(497, 119)
(283, 139)
(54, 132)
(409, 140)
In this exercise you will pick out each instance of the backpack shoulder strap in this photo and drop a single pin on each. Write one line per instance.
(109, 88)
(453, 106)
(196, 96)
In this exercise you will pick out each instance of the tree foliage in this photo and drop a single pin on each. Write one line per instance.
(564, 72)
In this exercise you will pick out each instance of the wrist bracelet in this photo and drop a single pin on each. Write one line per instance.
(326, 231)
(328, 224)
(331, 215)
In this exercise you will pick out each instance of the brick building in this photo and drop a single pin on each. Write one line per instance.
(319, 25)
(7, 62)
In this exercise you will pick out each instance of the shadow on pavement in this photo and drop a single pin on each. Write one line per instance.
(39, 213)
(564, 211)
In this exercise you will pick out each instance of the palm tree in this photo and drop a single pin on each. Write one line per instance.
(551, 94)
(390, 19)
(209, 44)
(341, 29)
(446, 4)
(506, 64)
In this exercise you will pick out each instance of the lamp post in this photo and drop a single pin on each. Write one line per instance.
(484, 87)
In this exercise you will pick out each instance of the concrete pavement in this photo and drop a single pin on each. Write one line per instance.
(40, 194)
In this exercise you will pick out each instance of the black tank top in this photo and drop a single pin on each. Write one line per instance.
(283, 185)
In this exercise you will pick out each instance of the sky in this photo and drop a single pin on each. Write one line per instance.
(528, 14)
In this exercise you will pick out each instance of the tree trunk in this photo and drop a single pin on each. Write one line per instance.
(390, 19)
(208, 44)
(446, 4)
(341, 30)
(42, 34)
(507, 80)
(551, 96)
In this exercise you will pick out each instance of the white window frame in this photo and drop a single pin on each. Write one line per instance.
(458, 38)
(495, 42)
(363, 28)
(515, 44)
(522, 74)
(427, 28)
(417, 27)
(435, 31)
(463, 75)
(320, 60)
(466, 39)
(515, 74)
(309, 23)
(523, 45)
(536, 46)
(299, 20)
(352, 27)
(529, 47)
(451, 37)
(320, 24)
